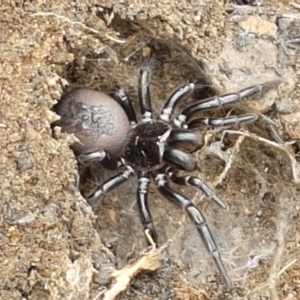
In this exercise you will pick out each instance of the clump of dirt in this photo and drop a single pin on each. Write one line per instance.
(53, 246)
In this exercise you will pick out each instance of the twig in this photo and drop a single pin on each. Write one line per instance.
(93, 30)
(233, 154)
(150, 261)
(276, 145)
(295, 5)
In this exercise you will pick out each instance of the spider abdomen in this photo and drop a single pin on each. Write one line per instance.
(96, 119)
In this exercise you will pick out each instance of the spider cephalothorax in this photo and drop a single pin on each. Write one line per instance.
(154, 149)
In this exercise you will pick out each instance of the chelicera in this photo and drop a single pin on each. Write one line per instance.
(157, 150)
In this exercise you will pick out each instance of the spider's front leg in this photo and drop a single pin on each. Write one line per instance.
(144, 88)
(219, 101)
(180, 159)
(221, 122)
(181, 143)
(197, 217)
(178, 95)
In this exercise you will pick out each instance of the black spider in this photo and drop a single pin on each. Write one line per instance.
(154, 149)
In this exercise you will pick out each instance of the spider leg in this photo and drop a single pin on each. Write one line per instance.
(185, 139)
(197, 217)
(220, 122)
(102, 156)
(219, 101)
(180, 93)
(126, 104)
(109, 185)
(185, 136)
(197, 183)
(144, 90)
(180, 159)
(142, 203)
(97, 155)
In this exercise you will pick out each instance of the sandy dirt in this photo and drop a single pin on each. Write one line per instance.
(53, 246)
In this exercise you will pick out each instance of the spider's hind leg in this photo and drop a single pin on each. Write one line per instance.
(126, 104)
(197, 217)
(94, 198)
(108, 161)
(92, 156)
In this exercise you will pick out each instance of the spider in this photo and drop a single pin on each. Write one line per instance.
(155, 149)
